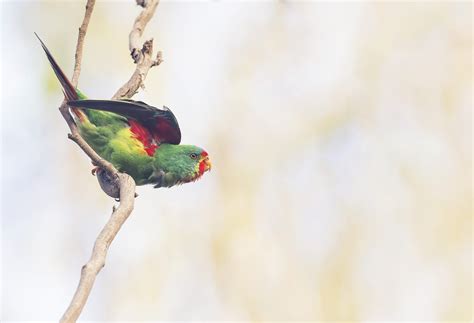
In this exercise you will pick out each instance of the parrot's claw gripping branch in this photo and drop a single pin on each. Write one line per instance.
(141, 3)
(124, 183)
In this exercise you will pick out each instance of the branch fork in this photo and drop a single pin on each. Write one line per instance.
(126, 184)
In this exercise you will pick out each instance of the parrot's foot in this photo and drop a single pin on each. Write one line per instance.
(108, 183)
(95, 170)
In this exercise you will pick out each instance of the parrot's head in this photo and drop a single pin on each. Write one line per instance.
(181, 163)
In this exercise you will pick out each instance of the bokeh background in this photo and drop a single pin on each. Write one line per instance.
(341, 140)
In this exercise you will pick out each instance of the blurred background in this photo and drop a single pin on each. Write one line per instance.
(340, 136)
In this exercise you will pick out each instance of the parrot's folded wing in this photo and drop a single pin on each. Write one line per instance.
(161, 123)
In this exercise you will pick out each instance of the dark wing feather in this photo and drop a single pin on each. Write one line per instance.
(68, 89)
(161, 123)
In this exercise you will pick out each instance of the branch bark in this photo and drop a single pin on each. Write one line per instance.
(142, 55)
(99, 253)
(80, 41)
(144, 61)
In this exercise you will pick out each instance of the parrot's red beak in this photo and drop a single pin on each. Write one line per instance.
(204, 163)
(207, 164)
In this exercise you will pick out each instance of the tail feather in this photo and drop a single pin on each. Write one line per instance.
(68, 89)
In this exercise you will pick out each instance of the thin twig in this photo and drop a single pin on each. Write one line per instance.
(139, 26)
(126, 183)
(80, 41)
(142, 55)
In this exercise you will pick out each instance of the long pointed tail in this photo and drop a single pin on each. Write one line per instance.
(68, 89)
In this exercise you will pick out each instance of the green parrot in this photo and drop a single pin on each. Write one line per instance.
(138, 139)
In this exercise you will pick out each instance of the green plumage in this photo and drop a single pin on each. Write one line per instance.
(110, 136)
(138, 139)
(113, 141)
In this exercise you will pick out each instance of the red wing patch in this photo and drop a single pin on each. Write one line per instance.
(144, 136)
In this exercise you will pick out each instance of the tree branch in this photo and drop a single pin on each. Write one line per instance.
(99, 253)
(139, 26)
(126, 183)
(143, 57)
(80, 41)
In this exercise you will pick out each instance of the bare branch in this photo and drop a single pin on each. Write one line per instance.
(99, 253)
(80, 41)
(142, 55)
(126, 183)
(139, 26)
(141, 71)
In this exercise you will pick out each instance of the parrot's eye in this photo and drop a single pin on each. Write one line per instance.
(193, 155)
